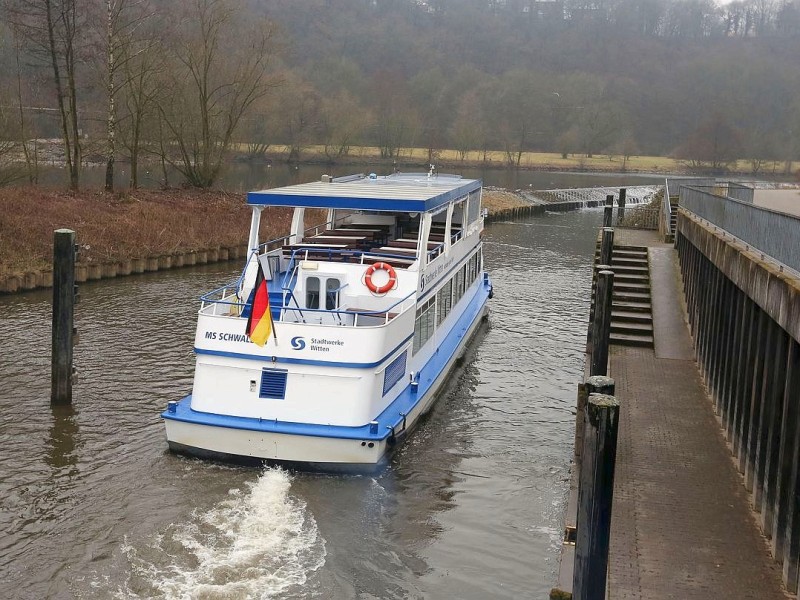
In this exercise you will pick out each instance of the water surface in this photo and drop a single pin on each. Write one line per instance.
(93, 506)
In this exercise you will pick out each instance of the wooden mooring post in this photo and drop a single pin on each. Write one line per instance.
(596, 384)
(601, 322)
(595, 495)
(608, 215)
(607, 246)
(622, 199)
(64, 294)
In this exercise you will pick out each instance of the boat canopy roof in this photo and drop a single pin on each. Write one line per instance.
(400, 192)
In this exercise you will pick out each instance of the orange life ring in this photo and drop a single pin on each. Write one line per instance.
(385, 287)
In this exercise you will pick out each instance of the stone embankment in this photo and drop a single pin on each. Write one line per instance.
(14, 282)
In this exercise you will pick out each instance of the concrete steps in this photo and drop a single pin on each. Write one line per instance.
(631, 304)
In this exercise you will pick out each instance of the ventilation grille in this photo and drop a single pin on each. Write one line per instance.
(273, 384)
(394, 372)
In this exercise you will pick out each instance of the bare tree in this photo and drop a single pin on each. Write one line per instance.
(51, 30)
(715, 144)
(129, 61)
(28, 149)
(296, 116)
(343, 122)
(221, 68)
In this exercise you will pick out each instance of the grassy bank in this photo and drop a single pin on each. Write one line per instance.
(535, 161)
(142, 224)
(111, 228)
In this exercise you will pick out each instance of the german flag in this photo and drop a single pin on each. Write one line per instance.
(259, 322)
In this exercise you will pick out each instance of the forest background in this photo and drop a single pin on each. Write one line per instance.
(192, 85)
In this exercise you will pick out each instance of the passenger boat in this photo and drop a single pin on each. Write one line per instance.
(369, 312)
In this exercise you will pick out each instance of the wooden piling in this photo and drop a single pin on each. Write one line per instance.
(621, 201)
(607, 246)
(608, 215)
(596, 384)
(64, 292)
(601, 324)
(595, 495)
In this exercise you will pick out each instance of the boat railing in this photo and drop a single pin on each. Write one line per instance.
(285, 240)
(289, 293)
(224, 301)
(436, 251)
(373, 317)
(301, 254)
(222, 297)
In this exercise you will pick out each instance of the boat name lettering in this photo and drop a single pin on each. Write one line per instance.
(429, 277)
(315, 344)
(224, 336)
(327, 342)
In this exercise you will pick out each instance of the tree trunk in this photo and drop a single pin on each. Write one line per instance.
(110, 124)
(59, 89)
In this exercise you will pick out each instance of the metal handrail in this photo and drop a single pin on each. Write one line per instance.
(666, 209)
(771, 232)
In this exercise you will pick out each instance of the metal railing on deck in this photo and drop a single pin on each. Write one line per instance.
(771, 232)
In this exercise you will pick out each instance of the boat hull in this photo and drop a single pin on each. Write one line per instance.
(255, 447)
(252, 441)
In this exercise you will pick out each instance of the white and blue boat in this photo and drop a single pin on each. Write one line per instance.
(371, 310)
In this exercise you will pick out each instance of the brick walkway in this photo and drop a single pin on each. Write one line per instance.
(682, 526)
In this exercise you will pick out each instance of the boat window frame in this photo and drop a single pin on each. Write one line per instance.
(332, 295)
(462, 205)
(308, 291)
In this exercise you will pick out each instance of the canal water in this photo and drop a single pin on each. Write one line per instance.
(93, 506)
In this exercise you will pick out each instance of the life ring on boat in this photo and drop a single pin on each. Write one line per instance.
(386, 286)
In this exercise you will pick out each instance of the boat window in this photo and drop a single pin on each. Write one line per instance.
(472, 270)
(444, 301)
(474, 206)
(459, 217)
(458, 286)
(312, 292)
(332, 293)
(425, 324)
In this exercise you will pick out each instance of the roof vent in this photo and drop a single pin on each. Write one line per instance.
(327, 179)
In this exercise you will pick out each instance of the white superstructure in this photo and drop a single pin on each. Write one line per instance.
(371, 309)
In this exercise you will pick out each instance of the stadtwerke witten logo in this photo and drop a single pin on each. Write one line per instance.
(298, 343)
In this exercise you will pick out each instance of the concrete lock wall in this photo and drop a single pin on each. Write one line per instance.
(744, 315)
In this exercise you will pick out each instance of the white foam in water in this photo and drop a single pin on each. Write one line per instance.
(257, 543)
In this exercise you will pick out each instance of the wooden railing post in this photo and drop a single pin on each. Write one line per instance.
(63, 315)
(595, 496)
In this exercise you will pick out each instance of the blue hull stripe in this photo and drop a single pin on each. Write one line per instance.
(390, 419)
(304, 361)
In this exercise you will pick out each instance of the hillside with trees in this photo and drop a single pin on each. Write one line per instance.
(190, 85)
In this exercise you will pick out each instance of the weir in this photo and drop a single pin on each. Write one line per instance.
(718, 382)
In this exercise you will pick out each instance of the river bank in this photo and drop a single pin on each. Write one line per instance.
(448, 160)
(136, 232)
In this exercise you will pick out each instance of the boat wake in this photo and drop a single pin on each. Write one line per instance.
(257, 543)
